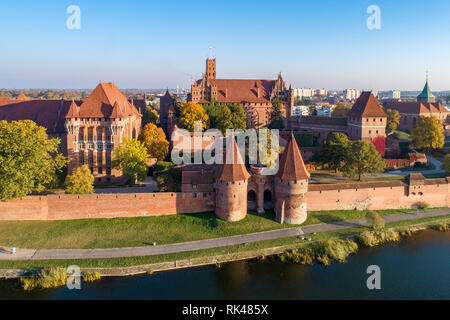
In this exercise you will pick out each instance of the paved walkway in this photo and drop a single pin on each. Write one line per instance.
(40, 254)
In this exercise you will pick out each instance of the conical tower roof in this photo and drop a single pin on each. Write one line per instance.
(426, 93)
(292, 167)
(73, 111)
(235, 171)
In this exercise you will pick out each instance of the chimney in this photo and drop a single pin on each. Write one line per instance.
(226, 92)
(258, 92)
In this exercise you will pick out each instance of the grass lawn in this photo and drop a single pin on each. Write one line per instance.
(400, 135)
(134, 261)
(143, 231)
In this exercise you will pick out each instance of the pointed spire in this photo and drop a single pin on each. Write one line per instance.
(73, 111)
(235, 171)
(426, 95)
(292, 167)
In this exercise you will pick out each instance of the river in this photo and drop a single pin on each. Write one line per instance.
(415, 268)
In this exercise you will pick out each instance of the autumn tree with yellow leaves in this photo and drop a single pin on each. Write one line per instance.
(192, 112)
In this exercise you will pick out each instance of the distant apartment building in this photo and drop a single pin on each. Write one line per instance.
(351, 94)
(303, 93)
(324, 111)
(301, 111)
(322, 92)
(394, 94)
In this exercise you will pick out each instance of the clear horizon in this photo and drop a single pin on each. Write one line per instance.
(144, 45)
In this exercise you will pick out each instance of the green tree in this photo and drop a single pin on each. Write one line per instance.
(428, 133)
(81, 181)
(155, 141)
(375, 220)
(393, 120)
(223, 120)
(29, 160)
(334, 151)
(213, 109)
(362, 158)
(276, 116)
(341, 110)
(149, 115)
(192, 112)
(131, 157)
(238, 116)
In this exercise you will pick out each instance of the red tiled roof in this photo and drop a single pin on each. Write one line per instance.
(235, 171)
(243, 90)
(416, 107)
(100, 102)
(50, 114)
(73, 111)
(117, 111)
(367, 106)
(292, 167)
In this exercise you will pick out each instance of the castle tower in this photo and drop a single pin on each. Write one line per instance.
(72, 125)
(367, 119)
(231, 185)
(291, 186)
(211, 69)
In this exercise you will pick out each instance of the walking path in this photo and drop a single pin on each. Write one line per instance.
(41, 254)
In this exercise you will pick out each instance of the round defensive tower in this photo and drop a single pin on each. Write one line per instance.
(231, 185)
(291, 186)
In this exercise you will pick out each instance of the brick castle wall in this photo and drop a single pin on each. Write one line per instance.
(369, 195)
(69, 207)
(385, 195)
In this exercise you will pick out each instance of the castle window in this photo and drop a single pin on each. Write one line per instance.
(100, 170)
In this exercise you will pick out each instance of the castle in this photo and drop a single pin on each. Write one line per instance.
(88, 129)
(255, 95)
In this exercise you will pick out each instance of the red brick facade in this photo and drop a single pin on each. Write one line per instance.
(254, 96)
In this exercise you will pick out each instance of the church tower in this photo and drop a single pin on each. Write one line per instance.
(426, 96)
(231, 185)
(291, 186)
(211, 68)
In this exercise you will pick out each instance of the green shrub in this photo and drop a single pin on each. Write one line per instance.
(297, 257)
(375, 220)
(339, 249)
(163, 166)
(91, 277)
(81, 181)
(47, 278)
(377, 237)
(440, 227)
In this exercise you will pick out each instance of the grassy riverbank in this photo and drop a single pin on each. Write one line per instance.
(143, 231)
(235, 251)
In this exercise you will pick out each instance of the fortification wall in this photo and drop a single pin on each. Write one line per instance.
(376, 198)
(69, 207)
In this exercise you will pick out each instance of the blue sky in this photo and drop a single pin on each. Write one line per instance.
(159, 44)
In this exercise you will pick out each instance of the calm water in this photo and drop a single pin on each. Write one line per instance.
(416, 268)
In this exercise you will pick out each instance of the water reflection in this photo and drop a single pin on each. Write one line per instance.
(416, 268)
